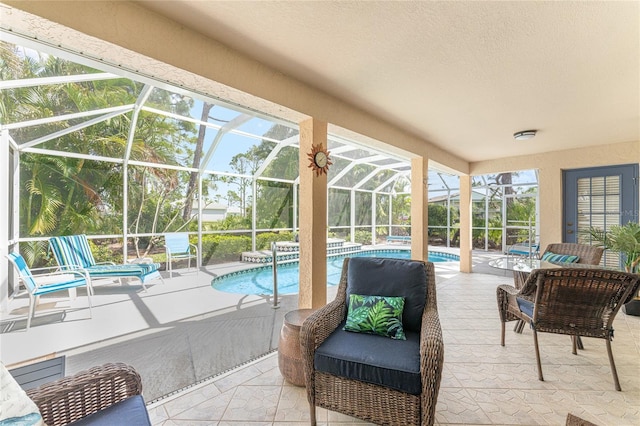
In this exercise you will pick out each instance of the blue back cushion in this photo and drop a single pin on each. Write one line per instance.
(374, 276)
(72, 251)
(23, 270)
(559, 258)
(177, 242)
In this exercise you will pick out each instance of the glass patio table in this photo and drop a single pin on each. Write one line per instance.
(521, 267)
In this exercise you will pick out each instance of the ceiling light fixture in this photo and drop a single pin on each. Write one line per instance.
(524, 135)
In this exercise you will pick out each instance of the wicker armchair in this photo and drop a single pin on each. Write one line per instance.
(365, 400)
(573, 301)
(588, 255)
(74, 397)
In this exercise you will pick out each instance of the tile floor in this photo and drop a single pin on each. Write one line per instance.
(482, 383)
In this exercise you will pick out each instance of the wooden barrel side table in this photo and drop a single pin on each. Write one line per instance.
(289, 354)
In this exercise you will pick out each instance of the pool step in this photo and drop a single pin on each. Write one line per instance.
(265, 256)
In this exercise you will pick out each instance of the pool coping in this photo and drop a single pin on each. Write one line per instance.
(269, 266)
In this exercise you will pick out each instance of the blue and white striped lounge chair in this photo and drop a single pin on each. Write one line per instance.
(45, 283)
(73, 252)
(523, 249)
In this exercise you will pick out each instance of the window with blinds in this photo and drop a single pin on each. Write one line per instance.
(599, 205)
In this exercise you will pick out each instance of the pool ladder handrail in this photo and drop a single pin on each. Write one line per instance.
(274, 258)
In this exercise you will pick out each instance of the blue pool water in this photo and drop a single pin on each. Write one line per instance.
(260, 280)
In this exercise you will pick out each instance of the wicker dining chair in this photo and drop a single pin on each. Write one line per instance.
(371, 388)
(572, 301)
(587, 255)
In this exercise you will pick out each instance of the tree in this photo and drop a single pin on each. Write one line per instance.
(245, 165)
(68, 195)
(197, 157)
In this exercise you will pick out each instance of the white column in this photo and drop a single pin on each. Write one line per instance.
(465, 224)
(352, 217)
(5, 175)
(374, 208)
(419, 210)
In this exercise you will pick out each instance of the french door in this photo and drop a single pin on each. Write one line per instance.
(599, 197)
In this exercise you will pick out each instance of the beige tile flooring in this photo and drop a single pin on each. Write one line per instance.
(482, 383)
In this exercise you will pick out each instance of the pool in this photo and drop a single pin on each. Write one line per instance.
(260, 280)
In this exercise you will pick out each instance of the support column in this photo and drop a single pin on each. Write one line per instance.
(419, 210)
(465, 224)
(313, 219)
(4, 218)
(550, 196)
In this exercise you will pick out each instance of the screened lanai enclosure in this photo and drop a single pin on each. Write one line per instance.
(126, 160)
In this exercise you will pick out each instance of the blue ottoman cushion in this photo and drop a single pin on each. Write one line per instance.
(373, 359)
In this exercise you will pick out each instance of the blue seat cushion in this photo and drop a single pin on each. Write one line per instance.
(372, 359)
(131, 412)
(138, 270)
(525, 306)
(374, 276)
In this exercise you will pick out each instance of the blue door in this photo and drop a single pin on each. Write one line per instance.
(599, 197)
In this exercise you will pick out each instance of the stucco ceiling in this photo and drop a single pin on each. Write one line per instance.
(462, 75)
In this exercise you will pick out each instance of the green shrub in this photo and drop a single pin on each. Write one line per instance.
(224, 248)
(103, 253)
(362, 237)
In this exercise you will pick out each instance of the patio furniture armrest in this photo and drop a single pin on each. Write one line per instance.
(77, 273)
(509, 289)
(106, 263)
(431, 360)
(319, 325)
(506, 295)
(74, 397)
(44, 268)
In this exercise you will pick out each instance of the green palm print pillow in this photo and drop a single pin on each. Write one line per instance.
(380, 315)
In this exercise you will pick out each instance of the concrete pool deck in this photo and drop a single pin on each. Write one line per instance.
(193, 330)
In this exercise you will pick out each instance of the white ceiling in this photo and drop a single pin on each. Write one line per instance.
(463, 75)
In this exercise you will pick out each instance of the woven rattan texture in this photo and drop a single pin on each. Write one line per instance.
(366, 401)
(588, 255)
(577, 421)
(74, 397)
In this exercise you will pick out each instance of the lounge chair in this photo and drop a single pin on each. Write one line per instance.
(72, 252)
(46, 283)
(524, 248)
